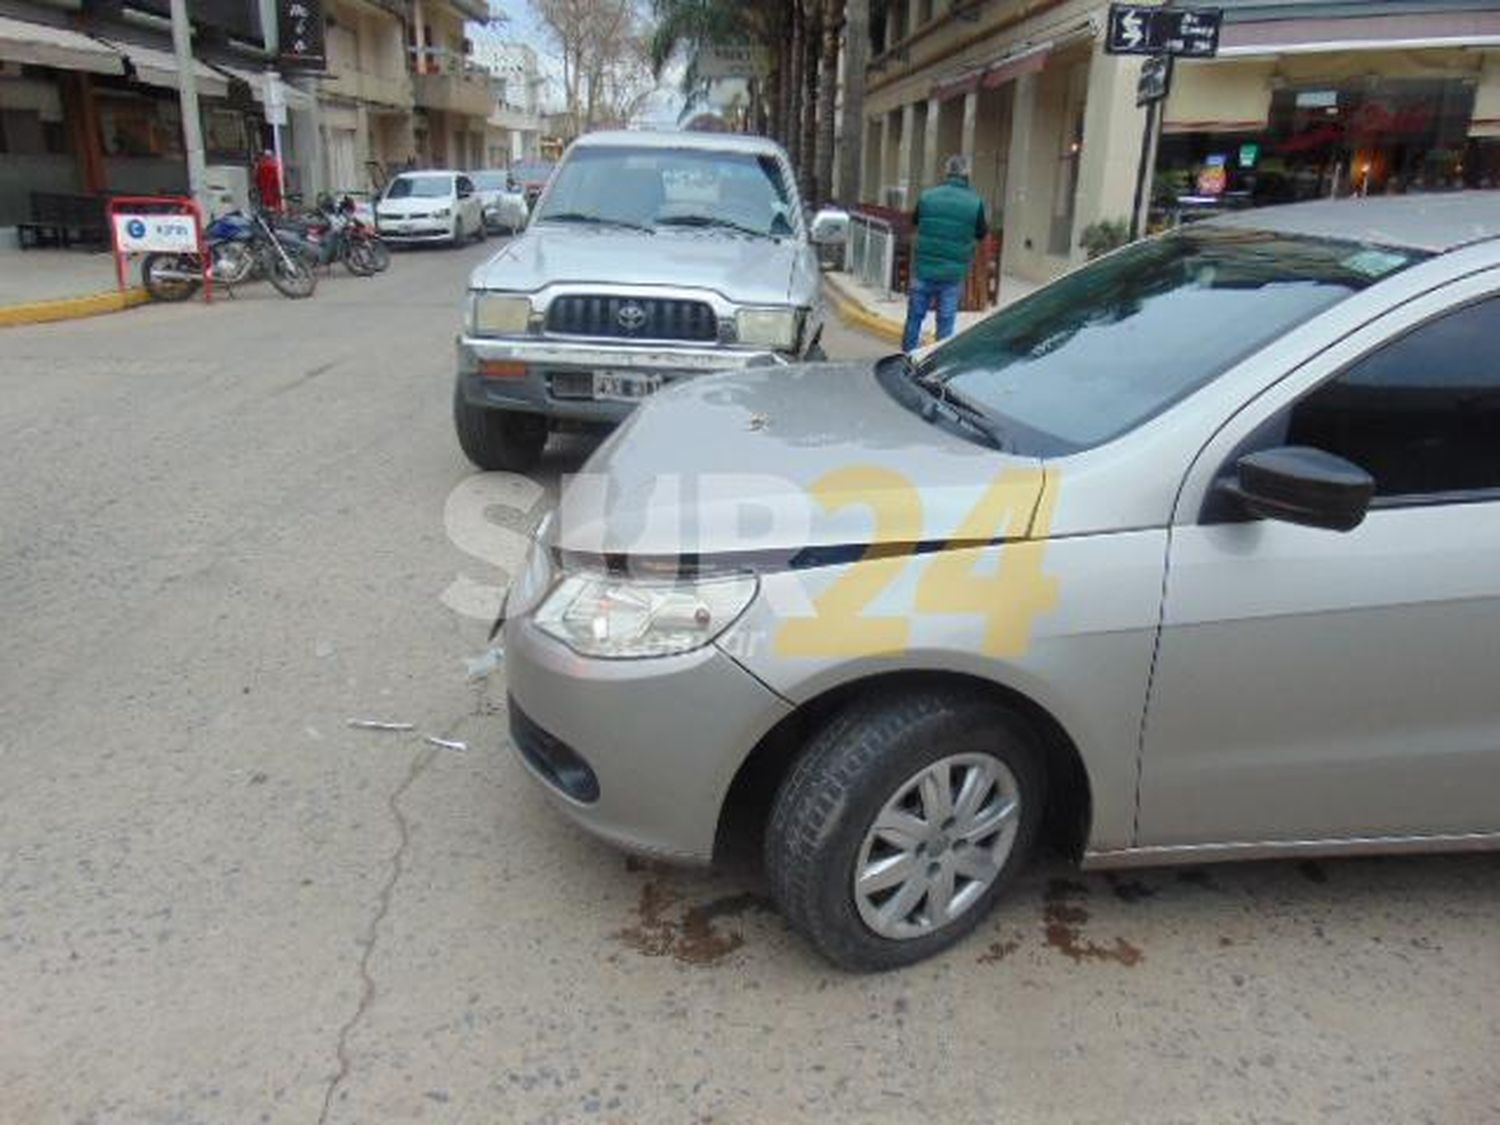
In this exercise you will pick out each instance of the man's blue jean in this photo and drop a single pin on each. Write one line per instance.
(924, 294)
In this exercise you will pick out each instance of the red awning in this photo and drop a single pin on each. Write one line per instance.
(952, 87)
(1008, 70)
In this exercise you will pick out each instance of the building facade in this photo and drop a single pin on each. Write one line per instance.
(515, 124)
(1323, 97)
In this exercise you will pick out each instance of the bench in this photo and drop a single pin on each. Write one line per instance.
(62, 219)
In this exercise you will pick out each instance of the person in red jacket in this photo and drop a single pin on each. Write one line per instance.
(268, 180)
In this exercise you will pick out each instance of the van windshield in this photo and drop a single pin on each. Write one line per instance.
(1102, 350)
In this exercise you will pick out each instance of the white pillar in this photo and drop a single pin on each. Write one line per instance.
(971, 123)
(187, 93)
(930, 154)
(1111, 153)
(906, 170)
(1019, 222)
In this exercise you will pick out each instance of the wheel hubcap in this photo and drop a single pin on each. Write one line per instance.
(937, 845)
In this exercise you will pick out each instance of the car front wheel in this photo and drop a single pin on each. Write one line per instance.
(902, 823)
(498, 440)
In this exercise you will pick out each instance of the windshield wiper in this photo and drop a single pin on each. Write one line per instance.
(594, 220)
(711, 221)
(951, 406)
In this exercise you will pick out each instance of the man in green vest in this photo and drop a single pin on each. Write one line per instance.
(949, 221)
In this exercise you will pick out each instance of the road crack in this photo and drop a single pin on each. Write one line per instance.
(372, 931)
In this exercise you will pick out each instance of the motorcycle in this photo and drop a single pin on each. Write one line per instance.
(332, 234)
(240, 246)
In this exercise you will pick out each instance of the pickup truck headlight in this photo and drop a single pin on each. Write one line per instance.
(496, 314)
(625, 618)
(769, 328)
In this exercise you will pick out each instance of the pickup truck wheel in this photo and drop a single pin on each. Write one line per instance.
(498, 440)
(902, 823)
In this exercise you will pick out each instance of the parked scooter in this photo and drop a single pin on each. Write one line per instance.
(239, 247)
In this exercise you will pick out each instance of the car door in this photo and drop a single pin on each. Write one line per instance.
(1313, 685)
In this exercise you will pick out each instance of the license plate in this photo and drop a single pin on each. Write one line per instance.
(625, 386)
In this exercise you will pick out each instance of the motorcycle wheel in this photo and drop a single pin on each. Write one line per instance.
(380, 253)
(359, 259)
(291, 275)
(163, 288)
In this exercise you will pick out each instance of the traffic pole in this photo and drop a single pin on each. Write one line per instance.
(187, 93)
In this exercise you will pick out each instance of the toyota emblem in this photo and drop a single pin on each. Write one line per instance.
(631, 316)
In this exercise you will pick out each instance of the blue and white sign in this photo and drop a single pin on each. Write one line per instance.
(156, 234)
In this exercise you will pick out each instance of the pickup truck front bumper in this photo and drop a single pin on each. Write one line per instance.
(556, 377)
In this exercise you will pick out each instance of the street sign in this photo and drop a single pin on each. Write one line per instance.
(1155, 80)
(300, 28)
(155, 234)
(1135, 29)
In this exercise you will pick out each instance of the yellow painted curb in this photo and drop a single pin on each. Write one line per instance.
(70, 308)
(850, 311)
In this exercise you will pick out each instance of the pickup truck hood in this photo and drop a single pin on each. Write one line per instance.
(763, 464)
(743, 270)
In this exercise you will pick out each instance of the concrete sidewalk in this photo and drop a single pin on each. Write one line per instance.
(884, 315)
(51, 284)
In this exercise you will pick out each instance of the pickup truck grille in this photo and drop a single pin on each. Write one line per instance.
(634, 318)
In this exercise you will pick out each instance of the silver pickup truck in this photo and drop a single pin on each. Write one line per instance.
(649, 258)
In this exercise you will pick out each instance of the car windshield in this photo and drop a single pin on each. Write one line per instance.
(420, 187)
(1102, 350)
(488, 181)
(531, 173)
(655, 187)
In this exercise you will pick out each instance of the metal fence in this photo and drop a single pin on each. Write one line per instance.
(872, 252)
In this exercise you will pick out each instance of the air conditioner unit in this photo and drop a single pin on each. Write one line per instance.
(895, 197)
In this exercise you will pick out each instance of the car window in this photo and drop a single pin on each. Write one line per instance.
(1421, 414)
(1115, 343)
(420, 187)
(675, 187)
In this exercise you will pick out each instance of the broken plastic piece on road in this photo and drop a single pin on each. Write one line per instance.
(375, 724)
(444, 743)
(486, 662)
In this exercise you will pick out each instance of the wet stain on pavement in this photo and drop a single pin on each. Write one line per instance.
(691, 936)
(1063, 918)
(1128, 890)
(1197, 877)
(998, 951)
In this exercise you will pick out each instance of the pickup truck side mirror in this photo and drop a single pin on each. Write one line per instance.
(1297, 484)
(830, 227)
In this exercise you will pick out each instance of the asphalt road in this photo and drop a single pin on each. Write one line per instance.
(226, 531)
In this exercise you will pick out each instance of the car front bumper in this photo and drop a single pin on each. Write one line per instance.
(662, 738)
(558, 380)
(417, 230)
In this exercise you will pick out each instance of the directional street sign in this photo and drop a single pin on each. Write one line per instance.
(1135, 29)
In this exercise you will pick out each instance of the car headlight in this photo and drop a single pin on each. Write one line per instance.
(442, 212)
(625, 618)
(769, 328)
(497, 314)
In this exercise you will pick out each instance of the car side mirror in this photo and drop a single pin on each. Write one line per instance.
(1296, 484)
(830, 227)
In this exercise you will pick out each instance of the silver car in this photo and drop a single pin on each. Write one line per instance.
(650, 259)
(1192, 555)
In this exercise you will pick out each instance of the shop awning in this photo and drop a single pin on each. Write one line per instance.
(40, 44)
(1368, 33)
(291, 97)
(159, 68)
(1219, 97)
(1008, 70)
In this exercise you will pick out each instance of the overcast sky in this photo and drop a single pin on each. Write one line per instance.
(522, 26)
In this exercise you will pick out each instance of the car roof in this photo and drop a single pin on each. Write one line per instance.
(426, 172)
(1438, 222)
(712, 142)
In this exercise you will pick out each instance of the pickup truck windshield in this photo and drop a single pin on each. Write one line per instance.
(737, 192)
(1100, 351)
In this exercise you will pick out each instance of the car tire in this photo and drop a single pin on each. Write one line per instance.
(822, 826)
(482, 233)
(458, 232)
(498, 440)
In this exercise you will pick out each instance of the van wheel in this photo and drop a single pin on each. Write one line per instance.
(901, 825)
(498, 440)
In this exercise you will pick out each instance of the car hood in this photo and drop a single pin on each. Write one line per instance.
(742, 270)
(766, 464)
(421, 205)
